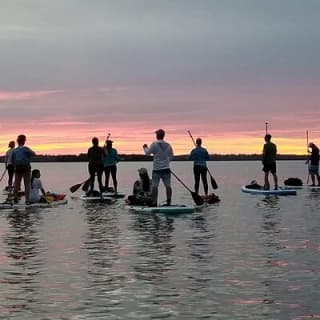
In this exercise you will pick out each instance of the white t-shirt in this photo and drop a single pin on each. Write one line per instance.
(35, 190)
(162, 154)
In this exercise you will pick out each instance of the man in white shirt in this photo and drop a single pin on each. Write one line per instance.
(162, 154)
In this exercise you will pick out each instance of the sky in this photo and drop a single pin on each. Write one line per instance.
(74, 69)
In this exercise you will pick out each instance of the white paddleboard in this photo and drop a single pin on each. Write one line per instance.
(108, 200)
(32, 205)
(280, 191)
(173, 209)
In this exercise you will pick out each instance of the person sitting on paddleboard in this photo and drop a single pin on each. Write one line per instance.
(36, 187)
(162, 154)
(314, 163)
(269, 155)
(9, 165)
(110, 165)
(199, 156)
(141, 189)
(96, 156)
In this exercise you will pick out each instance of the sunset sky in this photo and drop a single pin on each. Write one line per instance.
(74, 69)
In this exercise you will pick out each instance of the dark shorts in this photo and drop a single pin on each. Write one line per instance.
(164, 175)
(22, 168)
(270, 167)
(314, 169)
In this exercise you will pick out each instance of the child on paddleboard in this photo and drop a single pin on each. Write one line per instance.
(36, 187)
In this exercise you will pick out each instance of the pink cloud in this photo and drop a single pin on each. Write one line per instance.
(26, 95)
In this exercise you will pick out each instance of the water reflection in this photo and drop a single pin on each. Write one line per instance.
(155, 246)
(105, 271)
(19, 284)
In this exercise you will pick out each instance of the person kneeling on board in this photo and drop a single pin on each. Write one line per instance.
(141, 189)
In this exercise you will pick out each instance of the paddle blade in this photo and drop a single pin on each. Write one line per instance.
(75, 187)
(197, 199)
(86, 185)
(213, 183)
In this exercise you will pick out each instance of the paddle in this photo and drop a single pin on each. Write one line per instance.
(308, 156)
(75, 187)
(212, 180)
(4, 172)
(197, 199)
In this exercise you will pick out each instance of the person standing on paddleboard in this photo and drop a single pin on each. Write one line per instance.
(269, 155)
(21, 159)
(314, 163)
(9, 165)
(110, 165)
(96, 157)
(199, 156)
(162, 154)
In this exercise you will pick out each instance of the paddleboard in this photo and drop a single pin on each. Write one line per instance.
(114, 194)
(108, 200)
(22, 205)
(173, 209)
(280, 191)
(302, 187)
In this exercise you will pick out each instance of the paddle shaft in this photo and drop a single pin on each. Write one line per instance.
(266, 127)
(4, 172)
(308, 156)
(181, 181)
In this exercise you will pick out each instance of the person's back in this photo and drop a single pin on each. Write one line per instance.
(21, 158)
(199, 156)
(314, 158)
(95, 155)
(269, 155)
(269, 152)
(36, 186)
(162, 154)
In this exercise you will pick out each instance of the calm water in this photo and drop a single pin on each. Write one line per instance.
(248, 257)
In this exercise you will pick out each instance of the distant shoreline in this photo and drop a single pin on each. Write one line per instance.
(138, 157)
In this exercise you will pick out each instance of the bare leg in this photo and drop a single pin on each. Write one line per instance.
(169, 195)
(27, 184)
(313, 179)
(154, 195)
(275, 178)
(266, 181)
(17, 184)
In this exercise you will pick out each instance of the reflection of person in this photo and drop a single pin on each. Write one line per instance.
(314, 163)
(95, 157)
(9, 164)
(21, 158)
(269, 155)
(110, 165)
(162, 154)
(199, 156)
(36, 187)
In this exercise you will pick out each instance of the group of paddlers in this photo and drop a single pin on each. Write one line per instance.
(145, 190)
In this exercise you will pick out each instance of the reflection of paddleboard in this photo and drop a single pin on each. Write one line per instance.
(173, 209)
(32, 205)
(281, 191)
